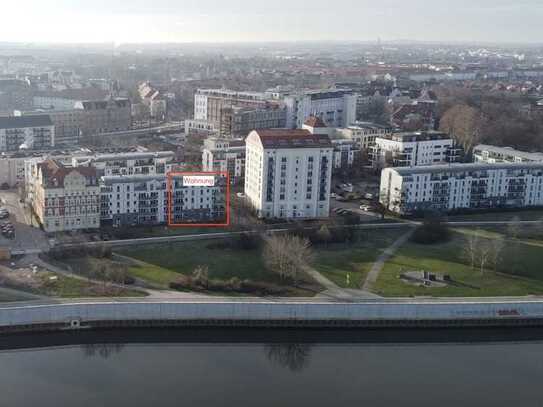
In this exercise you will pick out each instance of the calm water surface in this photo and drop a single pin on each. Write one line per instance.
(279, 374)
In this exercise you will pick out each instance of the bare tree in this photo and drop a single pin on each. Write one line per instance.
(293, 356)
(484, 252)
(287, 255)
(469, 251)
(465, 124)
(496, 252)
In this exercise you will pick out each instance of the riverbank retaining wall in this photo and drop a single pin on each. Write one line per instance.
(81, 315)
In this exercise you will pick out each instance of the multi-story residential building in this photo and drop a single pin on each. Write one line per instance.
(208, 103)
(462, 187)
(288, 173)
(345, 149)
(236, 113)
(26, 132)
(225, 155)
(15, 94)
(105, 116)
(335, 107)
(66, 198)
(492, 154)
(365, 133)
(128, 163)
(153, 99)
(68, 124)
(413, 149)
(144, 200)
(201, 127)
(240, 121)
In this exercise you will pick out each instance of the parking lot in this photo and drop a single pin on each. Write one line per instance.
(25, 235)
(362, 191)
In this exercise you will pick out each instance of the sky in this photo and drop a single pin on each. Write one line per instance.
(154, 21)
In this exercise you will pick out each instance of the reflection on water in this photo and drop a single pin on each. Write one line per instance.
(288, 370)
(103, 350)
(293, 356)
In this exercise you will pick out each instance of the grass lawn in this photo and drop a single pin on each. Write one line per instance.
(338, 260)
(163, 263)
(520, 269)
(67, 287)
(528, 214)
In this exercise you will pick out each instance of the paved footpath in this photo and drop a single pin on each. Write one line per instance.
(373, 275)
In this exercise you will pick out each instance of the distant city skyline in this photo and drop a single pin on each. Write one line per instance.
(142, 21)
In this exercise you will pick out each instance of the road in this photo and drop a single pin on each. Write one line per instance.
(28, 239)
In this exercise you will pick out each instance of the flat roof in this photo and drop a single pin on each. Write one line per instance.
(17, 122)
(426, 169)
(510, 151)
(123, 156)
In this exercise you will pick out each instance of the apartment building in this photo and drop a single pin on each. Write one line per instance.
(66, 198)
(491, 154)
(414, 149)
(288, 173)
(68, 124)
(452, 187)
(105, 116)
(365, 133)
(345, 149)
(208, 103)
(153, 99)
(335, 107)
(128, 163)
(240, 121)
(26, 133)
(143, 200)
(224, 155)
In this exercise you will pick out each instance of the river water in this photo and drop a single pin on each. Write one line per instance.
(220, 370)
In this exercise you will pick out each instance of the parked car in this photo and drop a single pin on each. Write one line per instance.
(365, 208)
(368, 196)
(240, 195)
(333, 195)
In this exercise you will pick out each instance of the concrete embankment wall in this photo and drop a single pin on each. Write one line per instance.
(238, 313)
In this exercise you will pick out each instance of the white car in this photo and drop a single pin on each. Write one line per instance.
(365, 208)
(333, 195)
(240, 195)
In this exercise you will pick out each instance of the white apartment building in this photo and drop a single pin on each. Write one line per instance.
(129, 163)
(345, 149)
(209, 102)
(335, 107)
(26, 133)
(143, 200)
(365, 133)
(491, 154)
(288, 173)
(66, 198)
(462, 187)
(224, 155)
(413, 149)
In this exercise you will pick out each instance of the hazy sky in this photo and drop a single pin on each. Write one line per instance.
(276, 20)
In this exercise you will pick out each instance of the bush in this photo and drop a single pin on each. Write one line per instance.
(432, 231)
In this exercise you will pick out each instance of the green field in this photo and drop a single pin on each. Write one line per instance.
(67, 287)
(338, 260)
(163, 263)
(519, 272)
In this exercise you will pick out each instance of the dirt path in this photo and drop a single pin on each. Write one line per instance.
(373, 275)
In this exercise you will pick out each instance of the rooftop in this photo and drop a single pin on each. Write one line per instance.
(509, 151)
(315, 122)
(18, 122)
(286, 139)
(471, 167)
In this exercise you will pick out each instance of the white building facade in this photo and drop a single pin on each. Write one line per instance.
(288, 173)
(483, 153)
(447, 188)
(226, 156)
(335, 107)
(414, 149)
(144, 200)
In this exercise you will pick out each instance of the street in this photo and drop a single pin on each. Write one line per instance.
(27, 237)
